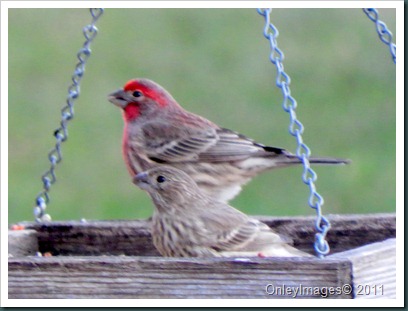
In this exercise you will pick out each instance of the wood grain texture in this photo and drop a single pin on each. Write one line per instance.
(22, 243)
(373, 269)
(155, 277)
(133, 237)
(116, 259)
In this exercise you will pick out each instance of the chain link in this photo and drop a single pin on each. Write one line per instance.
(296, 129)
(67, 114)
(382, 30)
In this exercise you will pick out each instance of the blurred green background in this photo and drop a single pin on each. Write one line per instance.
(215, 63)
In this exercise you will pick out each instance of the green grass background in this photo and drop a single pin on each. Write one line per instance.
(215, 63)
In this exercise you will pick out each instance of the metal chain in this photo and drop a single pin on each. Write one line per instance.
(382, 30)
(67, 114)
(296, 129)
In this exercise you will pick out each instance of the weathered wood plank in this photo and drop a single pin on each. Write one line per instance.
(95, 238)
(346, 232)
(156, 277)
(22, 243)
(373, 269)
(133, 237)
(109, 276)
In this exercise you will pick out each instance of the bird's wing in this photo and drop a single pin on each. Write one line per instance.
(230, 230)
(232, 146)
(169, 143)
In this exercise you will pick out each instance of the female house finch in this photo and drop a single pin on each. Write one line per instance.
(159, 131)
(188, 223)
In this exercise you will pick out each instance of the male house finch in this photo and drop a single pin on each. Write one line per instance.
(188, 223)
(159, 131)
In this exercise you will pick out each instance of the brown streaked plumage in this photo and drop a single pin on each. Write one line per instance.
(158, 131)
(188, 223)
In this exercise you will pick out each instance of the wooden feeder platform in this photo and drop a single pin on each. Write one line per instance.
(116, 259)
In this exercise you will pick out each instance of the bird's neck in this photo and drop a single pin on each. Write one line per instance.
(131, 113)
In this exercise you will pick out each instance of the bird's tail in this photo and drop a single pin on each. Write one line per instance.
(284, 157)
(326, 160)
(289, 160)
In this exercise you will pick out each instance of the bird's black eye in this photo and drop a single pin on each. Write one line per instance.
(137, 94)
(160, 179)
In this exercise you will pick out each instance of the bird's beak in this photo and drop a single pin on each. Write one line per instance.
(118, 98)
(142, 180)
